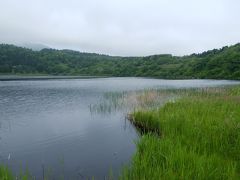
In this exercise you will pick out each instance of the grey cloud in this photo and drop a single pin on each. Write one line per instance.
(122, 27)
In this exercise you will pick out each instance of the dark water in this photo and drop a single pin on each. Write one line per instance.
(47, 127)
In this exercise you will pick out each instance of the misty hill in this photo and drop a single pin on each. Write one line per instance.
(221, 63)
(33, 46)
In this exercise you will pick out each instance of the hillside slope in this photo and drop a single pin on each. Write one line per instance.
(221, 63)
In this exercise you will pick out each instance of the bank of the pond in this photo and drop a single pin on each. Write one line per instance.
(195, 137)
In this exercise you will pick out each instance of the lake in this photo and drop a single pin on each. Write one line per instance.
(47, 126)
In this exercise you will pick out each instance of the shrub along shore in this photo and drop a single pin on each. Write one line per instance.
(194, 137)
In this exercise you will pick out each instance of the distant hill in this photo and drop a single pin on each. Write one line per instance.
(33, 46)
(223, 63)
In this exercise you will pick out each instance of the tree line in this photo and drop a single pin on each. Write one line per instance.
(223, 63)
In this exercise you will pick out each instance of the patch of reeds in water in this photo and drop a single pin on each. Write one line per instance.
(132, 101)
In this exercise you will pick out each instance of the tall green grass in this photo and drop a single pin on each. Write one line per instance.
(196, 137)
(5, 174)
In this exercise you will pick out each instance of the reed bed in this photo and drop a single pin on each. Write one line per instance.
(132, 100)
(194, 137)
(6, 174)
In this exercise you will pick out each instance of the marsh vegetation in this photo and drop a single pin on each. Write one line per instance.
(195, 137)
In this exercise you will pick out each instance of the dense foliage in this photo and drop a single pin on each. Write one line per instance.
(221, 63)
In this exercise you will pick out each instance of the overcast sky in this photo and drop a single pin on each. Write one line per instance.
(122, 27)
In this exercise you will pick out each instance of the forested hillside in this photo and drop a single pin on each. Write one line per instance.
(221, 63)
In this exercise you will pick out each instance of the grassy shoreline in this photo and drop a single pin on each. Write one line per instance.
(194, 137)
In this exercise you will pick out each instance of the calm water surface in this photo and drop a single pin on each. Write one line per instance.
(47, 126)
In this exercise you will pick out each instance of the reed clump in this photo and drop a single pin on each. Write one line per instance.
(194, 137)
(5, 174)
(132, 100)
